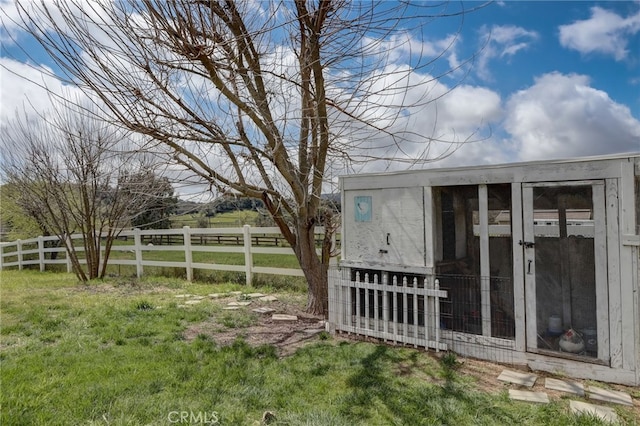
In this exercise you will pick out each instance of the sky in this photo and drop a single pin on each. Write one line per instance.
(549, 80)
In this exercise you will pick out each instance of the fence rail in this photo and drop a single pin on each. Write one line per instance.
(43, 251)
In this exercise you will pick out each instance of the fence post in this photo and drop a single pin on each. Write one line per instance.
(41, 252)
(19, 252)
(137, 248)
(248, 259)
(187, 253)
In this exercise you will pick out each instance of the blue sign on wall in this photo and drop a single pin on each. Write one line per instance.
(363, 208)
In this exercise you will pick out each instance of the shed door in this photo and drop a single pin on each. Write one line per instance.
(565, 269)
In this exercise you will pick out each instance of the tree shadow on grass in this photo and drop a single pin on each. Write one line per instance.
(380, 396)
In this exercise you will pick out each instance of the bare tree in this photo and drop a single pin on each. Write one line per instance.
(70, 172)
(157, 196)
(264, 99)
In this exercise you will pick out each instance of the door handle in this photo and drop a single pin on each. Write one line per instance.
(529, 267)
(527, 244)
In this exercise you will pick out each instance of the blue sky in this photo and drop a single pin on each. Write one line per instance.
(550, 79)
(589, 38)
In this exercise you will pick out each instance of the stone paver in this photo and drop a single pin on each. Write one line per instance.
(247, 303)
(216, 295)
(268, 299)
(605, 413)
(231, 308)
(192, 302)
(263, 310)
(615, 397)
(182, 296)
(564, 386)
(255, 295)
(524, 379)
(284, 317)
(528, 396)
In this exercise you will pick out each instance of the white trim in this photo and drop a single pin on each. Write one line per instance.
(485, 272)
(529, 267)
(518, 267)
(628, 289)
(602, 283)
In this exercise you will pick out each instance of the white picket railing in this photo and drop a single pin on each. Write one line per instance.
(34, 251)
(386, 305)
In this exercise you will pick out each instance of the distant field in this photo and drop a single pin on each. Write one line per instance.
(222, 220)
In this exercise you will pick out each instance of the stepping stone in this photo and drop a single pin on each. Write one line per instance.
(607, 414)
(284, 317)
(235, 293)
(560, 385)
(615, 397)
(255, 295)
(268, 299)
(528, 396)
(192, 302)
(198, 297)
(216, 295)
(182, 295)
(523, 379)
(312, 331)
(238, 303)
(231, 308)
(263, 310)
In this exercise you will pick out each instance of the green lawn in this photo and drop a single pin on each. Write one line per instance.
(115, 353)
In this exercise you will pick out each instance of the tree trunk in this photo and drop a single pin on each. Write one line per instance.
(315, 271)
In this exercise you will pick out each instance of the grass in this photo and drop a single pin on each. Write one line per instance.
(115, 353)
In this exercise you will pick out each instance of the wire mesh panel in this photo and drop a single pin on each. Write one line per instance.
(469, 329)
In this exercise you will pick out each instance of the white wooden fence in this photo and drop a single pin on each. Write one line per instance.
(386, 305)
(23, 253)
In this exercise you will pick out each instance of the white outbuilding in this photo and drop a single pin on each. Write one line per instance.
(530, 263)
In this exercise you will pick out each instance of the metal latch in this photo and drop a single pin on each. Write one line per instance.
(527, 244)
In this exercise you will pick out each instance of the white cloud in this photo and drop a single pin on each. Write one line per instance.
(604, 32)
(562, 116)
(502, 41)
(436, 120)
(25, 87)
(404, 47)
(8, 18)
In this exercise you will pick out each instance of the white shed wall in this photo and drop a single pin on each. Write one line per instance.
(385, 226)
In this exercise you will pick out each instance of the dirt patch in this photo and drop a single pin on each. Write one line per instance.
(260, 328)
(120, 288)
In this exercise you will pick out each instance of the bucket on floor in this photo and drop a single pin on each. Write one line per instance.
(555, 325)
